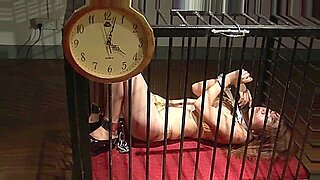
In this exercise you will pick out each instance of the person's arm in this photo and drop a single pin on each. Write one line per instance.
(210, 113)
(198, 86)
(245, 96)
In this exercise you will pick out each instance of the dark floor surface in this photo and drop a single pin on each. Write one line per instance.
(34, 131)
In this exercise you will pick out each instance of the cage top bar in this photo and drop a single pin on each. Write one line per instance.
(256, 25)
(253, 30)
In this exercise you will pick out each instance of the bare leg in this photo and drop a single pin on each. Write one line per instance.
(139, 109)
(100, 96)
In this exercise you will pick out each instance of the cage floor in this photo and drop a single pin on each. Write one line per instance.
(100, 164)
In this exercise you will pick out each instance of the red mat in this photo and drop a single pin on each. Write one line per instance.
(100, 165)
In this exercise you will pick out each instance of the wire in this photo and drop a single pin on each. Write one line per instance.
(48, 13)
(31, 36)
(39, 37)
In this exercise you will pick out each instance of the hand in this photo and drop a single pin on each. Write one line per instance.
(245, 96)
(232, 77)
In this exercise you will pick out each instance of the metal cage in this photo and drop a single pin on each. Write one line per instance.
(278, 46)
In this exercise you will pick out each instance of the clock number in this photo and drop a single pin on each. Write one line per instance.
(109, 69)
(95, 64)
(135, 28)
(76, 43)
(140, 42)
(80, 28)
(107, 15)
(91, 19)
(83, 57)
(135, 57)
(124, 65)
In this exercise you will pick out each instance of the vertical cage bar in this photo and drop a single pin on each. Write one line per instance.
(230, 56)
(279, 7)
(251, 116)
(273, 9)
(309, 117)
(257, 7)
(108, 99)
(279, 127)
(219, 54)
(265, 122)
(143, 9)
(304, 142)
(283, 102)
(130, 126)
(258, 81)
(148, 110)
(142, 6)
(296, 110)
(184, 106)
(216, 133)
(236, 98)
(306, 134)
(253, 65)
(249, 127)
(157, 7)
(164, 159)
(246, 6)
(295, 116)
(270, 49)
(77, 100)
(78, 105)
(195, 42)
(200, 120)
(265, 66)
(148, 123)
(265, 119)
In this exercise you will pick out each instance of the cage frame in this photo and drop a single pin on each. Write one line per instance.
(77, 86)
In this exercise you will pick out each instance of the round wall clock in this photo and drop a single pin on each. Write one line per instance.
(108, 41)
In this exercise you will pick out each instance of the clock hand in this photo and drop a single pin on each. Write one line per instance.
(108, 24)
(108, 44)
(113, 24)
(106, 37)
(108, 48)
(117, 49)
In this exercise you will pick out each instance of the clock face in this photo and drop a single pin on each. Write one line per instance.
(108, 44)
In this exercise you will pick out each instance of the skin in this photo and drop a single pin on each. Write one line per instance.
(259, 118)
(175, 111)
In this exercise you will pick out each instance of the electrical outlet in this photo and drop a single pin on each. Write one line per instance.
(47, 24)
